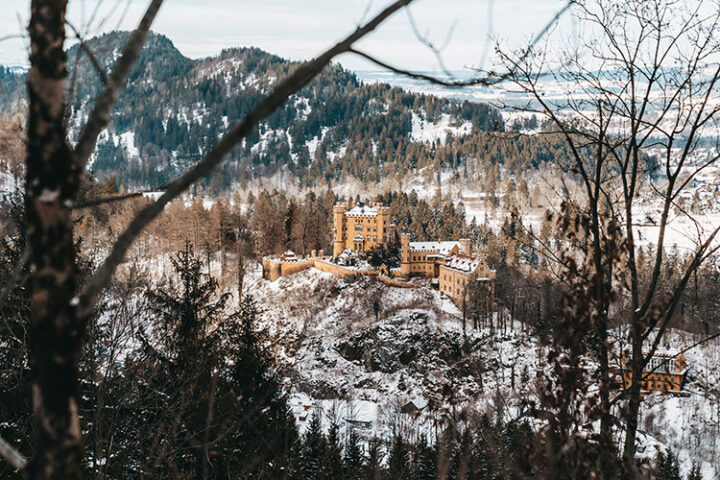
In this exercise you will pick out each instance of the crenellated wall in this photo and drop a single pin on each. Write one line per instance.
(274, 269)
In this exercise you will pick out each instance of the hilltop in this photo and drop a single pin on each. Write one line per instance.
(336, 130)
(174, 108)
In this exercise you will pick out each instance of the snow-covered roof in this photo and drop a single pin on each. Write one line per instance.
(365, 210)
(443, 248)
(462, 263)
(665, 353)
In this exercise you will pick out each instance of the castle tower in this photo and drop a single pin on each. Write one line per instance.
(339, 221)
(465, 246)
(383, 224)
(405, 254)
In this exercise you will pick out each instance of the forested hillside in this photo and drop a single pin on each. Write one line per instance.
(174, 108)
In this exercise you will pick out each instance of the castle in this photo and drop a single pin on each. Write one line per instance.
(452, 264)
(361, 228)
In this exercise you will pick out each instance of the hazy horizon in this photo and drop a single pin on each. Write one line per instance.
(300, 31)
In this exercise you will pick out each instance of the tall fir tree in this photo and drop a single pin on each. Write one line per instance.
(373, 465)
(353, 461)
(263, 437)
(398, 460)
(312, 456)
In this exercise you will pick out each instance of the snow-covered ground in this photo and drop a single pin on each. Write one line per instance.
(425, 131)
(331, 348)
(339, 361)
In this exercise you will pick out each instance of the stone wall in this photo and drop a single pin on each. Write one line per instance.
(395, 283)
(340, 271)
(272, 270)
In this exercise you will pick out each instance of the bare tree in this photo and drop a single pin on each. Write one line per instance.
(637, 91)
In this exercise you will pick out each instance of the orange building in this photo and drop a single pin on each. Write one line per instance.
(425, 258)
(664, 372)
(361, 228)
(452, 264)
(457, 274)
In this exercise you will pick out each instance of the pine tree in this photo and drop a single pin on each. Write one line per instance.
(353, 458)
(694, 473)
(312, 456)
(667, 467)
(398, 464)
(333, 465)
(264, 438)
(186, 313)
(373, 466)
(426, 467)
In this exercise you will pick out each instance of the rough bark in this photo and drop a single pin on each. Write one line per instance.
(51, 186)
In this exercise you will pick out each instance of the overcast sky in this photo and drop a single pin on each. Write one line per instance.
(301, 29)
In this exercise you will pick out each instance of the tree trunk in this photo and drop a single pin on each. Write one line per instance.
(51, 187)
(633, 408)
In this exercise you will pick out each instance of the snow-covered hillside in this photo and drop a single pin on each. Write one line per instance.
(337, 358)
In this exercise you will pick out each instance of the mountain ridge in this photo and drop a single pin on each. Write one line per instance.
(174, 108)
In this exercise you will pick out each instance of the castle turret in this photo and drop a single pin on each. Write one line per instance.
(383, 223)
(465, 246)
(339, 221)
(405, 254)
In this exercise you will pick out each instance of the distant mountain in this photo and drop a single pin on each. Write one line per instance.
(12, 86)
(175, 108)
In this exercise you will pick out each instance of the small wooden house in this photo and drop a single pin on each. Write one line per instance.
(665, 372)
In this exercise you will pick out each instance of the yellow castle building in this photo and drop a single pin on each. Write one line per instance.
(452, 263)
(361, 228)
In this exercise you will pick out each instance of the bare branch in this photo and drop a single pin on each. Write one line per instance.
(489, 79)
(116, 198)
(13, 457)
